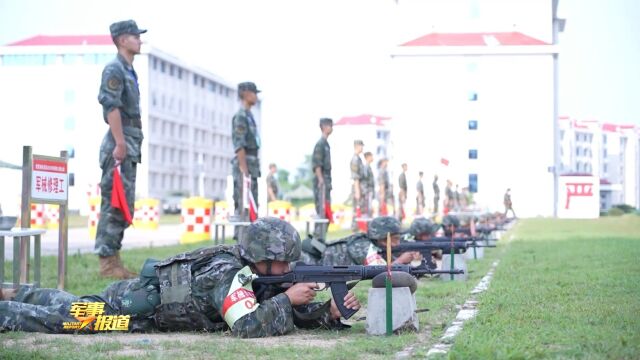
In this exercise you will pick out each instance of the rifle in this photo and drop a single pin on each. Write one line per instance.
(337, 276)
(471, 242)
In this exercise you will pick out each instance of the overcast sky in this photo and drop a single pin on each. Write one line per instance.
(331, 57)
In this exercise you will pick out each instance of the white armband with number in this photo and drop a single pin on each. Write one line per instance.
(240, 299)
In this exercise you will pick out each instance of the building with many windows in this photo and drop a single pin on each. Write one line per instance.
(609, 151)
(49, 92)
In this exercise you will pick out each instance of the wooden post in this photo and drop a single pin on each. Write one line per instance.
(25, 217)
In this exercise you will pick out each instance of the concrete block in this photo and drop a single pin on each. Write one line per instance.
(479, 252)
(404, 311)
(458, 263)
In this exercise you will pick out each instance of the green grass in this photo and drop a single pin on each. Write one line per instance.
(440, 297)
(565, 289)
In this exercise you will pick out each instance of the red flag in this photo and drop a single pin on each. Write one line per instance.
(249, 201)
(444, 161)
(327, 212)
(383, 209)
(253, 211)
(118, 198)
(362, 225)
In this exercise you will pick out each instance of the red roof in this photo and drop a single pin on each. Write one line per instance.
(475, 39)
(609, 127)
(364, 119)
(64, 40)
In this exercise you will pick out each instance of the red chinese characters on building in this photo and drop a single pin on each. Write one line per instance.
(578, 189)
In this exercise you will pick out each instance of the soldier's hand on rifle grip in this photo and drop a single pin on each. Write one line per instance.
(407, 257)
(350, 302)
(301, 293)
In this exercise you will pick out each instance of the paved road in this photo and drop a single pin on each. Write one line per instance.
(79, 240)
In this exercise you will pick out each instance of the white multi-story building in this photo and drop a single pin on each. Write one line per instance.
(49, 91)
(609, 151)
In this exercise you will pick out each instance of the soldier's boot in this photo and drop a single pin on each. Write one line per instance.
(130, 273)
(7, 294)
(109, 268)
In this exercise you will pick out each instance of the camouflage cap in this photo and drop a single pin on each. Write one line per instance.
(449, 220)
(247, 86)
(326, 122)
(125, 27)
(380, 226)
(358, 142)
(271, 239)
(422, 226)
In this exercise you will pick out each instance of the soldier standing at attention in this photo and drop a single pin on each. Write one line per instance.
(121, 147)
(384, 188)
(208, 289)
(402, 194)
(357, 175)
(246, 143)
(436, 194)
(420, 195)
(272, 183)
(321, 163)
(369, 186)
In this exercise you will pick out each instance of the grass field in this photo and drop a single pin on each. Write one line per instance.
(563, 289)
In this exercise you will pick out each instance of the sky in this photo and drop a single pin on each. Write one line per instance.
(320, 58)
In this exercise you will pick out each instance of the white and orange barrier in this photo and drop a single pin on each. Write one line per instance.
(281, 209)
(222, 211)
(94, 215)
(52, 216)
(38, 216)
(147, 214)
(196, 220)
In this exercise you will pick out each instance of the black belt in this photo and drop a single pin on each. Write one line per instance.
(136, 123)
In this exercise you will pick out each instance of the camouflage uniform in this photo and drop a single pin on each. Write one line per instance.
(368, 191)
(357, 173)
(360, 248)
(321, 158)
(273, 184)
(194, 291)
(244, 134)
(436, 195)
(383, 180)
(402, 195)
(419, 197)
(118, 90)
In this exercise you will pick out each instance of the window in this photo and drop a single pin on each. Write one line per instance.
(605, 169)
(180, 73)
(473, 124)
(604, 139)
(172, 70)
(162, 70)
(473, 96)
(195, 79)
(70, 123)
(212, 86)
(155, 63)
(473, 154)
(473, 183)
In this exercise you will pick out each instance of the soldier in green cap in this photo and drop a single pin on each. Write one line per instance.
(321, 166)
(119, 96)
(357, 187)
(246, 143)
(208, 289)
(363, 248)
